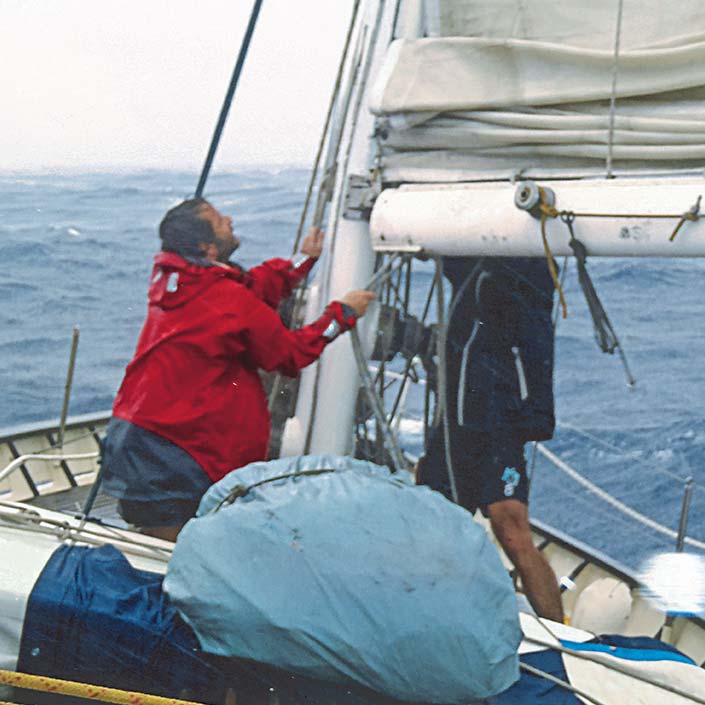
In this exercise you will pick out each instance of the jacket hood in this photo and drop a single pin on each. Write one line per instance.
(176, 280)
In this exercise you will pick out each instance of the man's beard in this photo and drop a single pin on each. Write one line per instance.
(225, 251)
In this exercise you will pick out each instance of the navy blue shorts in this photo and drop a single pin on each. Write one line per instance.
(162, 512)
(488, 468)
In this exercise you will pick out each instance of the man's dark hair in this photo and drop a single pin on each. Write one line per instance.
(182, 229)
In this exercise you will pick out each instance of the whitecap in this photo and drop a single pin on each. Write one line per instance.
(73, 231)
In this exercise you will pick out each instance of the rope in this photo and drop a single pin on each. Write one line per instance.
(243, 490)
(26, 520)
(612, 501)
(549, 211)
(57, 686)
(644, 216)
(334, 148)
(442, 379)
(692, 215)
(616, 449)
(613, 96)
(244, 48)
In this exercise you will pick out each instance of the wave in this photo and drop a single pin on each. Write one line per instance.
(640, 272)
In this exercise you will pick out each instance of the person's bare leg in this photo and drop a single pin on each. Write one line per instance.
(510, 523)
(168, 533)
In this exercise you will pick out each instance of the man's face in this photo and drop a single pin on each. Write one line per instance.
(225, 241)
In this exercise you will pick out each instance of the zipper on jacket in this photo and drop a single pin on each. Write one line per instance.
(463, 368)
(523, 387)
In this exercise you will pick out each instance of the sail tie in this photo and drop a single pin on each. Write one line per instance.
(692, 214)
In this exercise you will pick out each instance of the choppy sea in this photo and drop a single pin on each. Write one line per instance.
(77, 249)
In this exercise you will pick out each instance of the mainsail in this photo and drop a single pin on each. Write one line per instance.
(494, 89)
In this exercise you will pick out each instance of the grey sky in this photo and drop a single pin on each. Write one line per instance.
(139, 83)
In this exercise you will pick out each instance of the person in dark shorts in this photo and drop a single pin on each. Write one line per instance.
(499, 395)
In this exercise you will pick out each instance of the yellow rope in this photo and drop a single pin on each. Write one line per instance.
(644, 216)
(692, 215)
(548, 211)
(84, 690)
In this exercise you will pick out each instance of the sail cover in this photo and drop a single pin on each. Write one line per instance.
(350, 575)
(526, 85)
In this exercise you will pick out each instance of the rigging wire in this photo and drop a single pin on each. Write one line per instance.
(612, 501)
(626, 453)
(364, 68)
(390, 442)
(215, 141)
(326, 126)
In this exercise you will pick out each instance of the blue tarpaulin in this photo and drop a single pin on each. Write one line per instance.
(94, 618)
(351, 575)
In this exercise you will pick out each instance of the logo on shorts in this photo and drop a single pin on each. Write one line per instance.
(510, 478)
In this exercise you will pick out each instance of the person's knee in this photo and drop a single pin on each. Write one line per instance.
(510, 523)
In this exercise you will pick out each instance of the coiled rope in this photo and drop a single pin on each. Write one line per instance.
(57, 686)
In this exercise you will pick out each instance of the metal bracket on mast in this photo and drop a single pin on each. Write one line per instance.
(360, 195)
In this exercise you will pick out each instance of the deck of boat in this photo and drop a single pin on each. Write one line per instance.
(590, 581)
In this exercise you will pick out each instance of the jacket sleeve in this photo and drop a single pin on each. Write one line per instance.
(275, 279)
(270, 345)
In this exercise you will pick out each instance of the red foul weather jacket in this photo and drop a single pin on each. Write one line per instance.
(194, 380)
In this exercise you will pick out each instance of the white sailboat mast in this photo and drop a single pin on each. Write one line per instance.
(323, 421)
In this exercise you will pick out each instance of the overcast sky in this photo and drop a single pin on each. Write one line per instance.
(139, 83)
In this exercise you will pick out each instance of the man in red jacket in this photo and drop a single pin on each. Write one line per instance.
(191, 406)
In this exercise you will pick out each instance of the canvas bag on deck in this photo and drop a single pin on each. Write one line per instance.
(354, 574)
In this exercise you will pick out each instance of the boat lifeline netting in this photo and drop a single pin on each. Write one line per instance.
(538, 88)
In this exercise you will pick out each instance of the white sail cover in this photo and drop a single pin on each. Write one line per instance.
(525, 85)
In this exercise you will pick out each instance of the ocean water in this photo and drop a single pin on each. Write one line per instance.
(77, 249)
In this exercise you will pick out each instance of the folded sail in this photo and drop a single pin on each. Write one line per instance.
(511, 86)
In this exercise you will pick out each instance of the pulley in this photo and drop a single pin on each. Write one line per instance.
(527, 197)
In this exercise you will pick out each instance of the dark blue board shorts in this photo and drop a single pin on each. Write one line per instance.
(488, 468)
